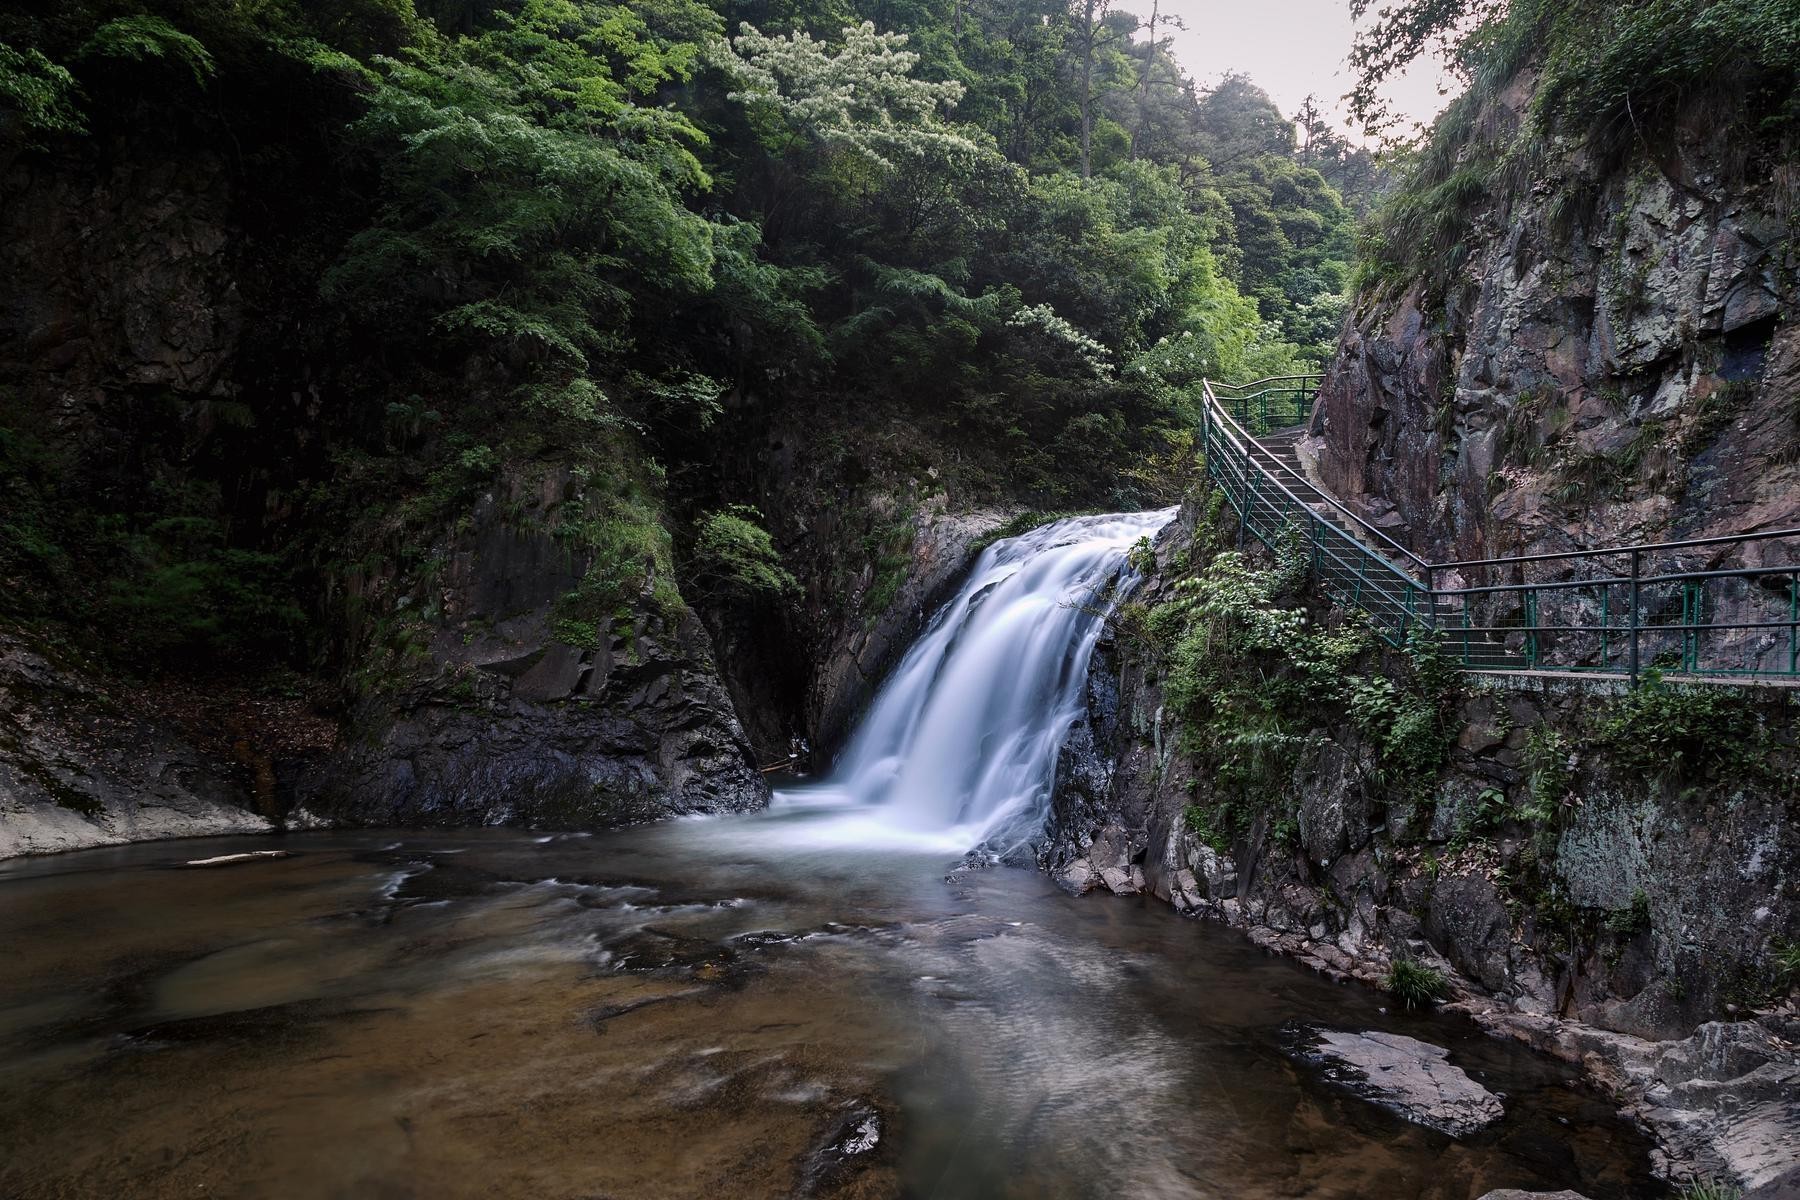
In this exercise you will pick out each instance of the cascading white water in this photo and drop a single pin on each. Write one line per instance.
(960, 743)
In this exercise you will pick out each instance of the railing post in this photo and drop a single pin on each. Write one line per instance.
(1634, 619)
(1794, 623)
(1532, 649)
(1693, 600)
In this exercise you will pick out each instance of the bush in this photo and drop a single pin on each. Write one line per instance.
(735, 555)
(1700, 732)
(1414, 984)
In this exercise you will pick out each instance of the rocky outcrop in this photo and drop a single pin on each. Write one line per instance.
(1614, 363)
(147, 343)
(82, 767)
(514, 714)
(860, 652)
(1721, 1100)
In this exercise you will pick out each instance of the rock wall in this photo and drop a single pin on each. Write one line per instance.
(155, 290)
(1677, 894)
(82, 765)
(501, 721)
(1614, 362)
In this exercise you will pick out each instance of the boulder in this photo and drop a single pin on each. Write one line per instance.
(1410, 1078)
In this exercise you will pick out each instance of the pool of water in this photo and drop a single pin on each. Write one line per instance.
(724, 1007)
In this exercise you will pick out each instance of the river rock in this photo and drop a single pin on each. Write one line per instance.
(1408, 1077)
(1517, 1194)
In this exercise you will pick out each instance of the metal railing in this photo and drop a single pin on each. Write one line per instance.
(1719, 607)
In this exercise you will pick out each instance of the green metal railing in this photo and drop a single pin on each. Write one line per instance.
(1720, 607)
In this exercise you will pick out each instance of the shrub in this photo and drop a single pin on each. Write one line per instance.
(733, 554)
(1414, 984)
(1659, 730)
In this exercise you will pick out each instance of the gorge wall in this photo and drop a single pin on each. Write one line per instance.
(1622, 914)
(165, 340)
(1612, 360)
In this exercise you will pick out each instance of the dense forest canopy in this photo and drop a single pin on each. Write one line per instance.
(563, 229)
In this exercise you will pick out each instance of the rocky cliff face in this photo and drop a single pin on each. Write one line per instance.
(1652, 908)
(162, 338)
(1614, 362)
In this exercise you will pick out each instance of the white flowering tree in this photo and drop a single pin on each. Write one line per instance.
(859, 97)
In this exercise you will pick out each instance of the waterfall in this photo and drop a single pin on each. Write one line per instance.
(959, 745)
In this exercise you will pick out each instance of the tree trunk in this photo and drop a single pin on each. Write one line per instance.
(1137, 133)
(1087, 88)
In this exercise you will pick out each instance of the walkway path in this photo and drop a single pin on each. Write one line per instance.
(1681, 609)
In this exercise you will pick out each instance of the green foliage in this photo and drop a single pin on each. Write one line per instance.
(1142, 557)
(1409, 720)
(629, 560)
(1664, 730)
(1548, 774)
(733, 553)
(568, 239)
(1414, 984)
(1632, 919)
(1709, 1189)
(860, 98)
(1204, 826)
(146, 38)
(41, 94)
(1785, 963)
(1246, 677)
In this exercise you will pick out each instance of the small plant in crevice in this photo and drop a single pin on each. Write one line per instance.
(1414, 984)
(1549, 765)
(1708, 1189)
(1631, 920)
(1142, 556)
(1784, 962)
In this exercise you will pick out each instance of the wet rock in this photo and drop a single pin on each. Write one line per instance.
(79, 768)
(508, 724)
(1077, 877)
(1721, 1100)
(652, 949)
(1516, 1194)
(231, 860)
(1467, 917)
(854, 1141)
(1408, 1077)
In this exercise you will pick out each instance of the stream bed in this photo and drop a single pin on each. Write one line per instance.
(744, 1006)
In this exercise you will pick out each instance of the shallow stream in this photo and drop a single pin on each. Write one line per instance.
(742, 1006)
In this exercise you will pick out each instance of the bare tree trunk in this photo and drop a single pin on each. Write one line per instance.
(1137, 133)
(1087, 89)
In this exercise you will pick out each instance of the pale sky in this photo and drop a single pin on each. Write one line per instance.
(1290, 48)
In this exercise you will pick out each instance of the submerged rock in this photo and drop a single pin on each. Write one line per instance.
(850, 1144)
(1408, 1077)
(226, 860)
